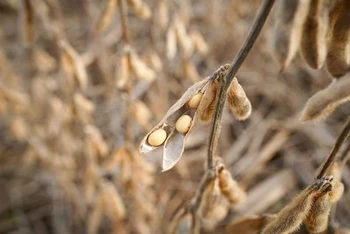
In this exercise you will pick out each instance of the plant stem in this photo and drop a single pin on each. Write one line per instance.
(235, 65)
(344, 156)
(340, 140)
(126, 40)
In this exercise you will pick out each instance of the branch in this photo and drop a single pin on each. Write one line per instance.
(235, 65)
(344, 156)
(340, 140)
(126, 40)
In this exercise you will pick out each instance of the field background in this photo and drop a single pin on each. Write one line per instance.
(63, 163)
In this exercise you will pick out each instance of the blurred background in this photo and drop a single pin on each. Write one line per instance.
(77, 97)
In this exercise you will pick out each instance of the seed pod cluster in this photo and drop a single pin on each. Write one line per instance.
(317, 219)
(291, 216)
(319, 28)
(171, 132)
(311, 206)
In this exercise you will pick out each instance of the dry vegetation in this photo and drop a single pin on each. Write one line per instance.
(88, 87)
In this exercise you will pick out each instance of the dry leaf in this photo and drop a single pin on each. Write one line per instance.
(324, 102)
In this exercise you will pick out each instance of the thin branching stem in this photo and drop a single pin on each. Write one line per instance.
(235, 65)
(339, 142)
(344, 156)
(126, 41)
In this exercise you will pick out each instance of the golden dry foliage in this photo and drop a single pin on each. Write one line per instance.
(68, 94)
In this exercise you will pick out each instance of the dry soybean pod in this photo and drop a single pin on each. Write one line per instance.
(338, 57)
(286, 36)
(314, 36)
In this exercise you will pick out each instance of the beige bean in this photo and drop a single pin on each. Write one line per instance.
(183, 124)
(195, 100)
(157, 137)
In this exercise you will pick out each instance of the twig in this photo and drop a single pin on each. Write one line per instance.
(126, 40)
(344, 156)
(194, 205)
(340, 140)
(236, 64)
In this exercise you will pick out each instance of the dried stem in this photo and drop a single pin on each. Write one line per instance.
(215, 124)
(340, 140)
(193, 207)
(126, 40)
(344, 156)
(236, 64)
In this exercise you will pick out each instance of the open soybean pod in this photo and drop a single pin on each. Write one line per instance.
(314, 36)
(290, 16)
(167, 135)
(172, 131)
(338, 57)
